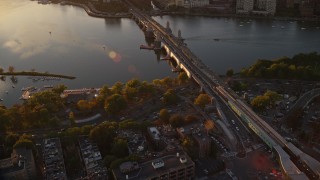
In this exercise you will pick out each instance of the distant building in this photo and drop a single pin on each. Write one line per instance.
(20, 165)
(261, 7)
(173, 167)
(192, 3)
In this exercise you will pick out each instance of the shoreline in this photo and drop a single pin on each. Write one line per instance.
(91, 11)
(25, 73)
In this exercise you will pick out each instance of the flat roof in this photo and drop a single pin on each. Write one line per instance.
(146, 169)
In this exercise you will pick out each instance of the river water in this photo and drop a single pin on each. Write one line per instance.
(65, 40)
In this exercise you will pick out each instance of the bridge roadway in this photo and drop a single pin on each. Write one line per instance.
(211, 84)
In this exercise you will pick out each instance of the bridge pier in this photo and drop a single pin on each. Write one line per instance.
(157, 41)
(149, 32)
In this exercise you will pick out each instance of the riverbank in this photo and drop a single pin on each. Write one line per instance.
(92, 11)
(24, 73)
(240, 16)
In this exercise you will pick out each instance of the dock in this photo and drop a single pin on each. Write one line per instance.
(147, 47)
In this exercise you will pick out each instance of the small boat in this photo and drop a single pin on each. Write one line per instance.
(303, 28)
(216, 39)
(241, 25)
(282, 27)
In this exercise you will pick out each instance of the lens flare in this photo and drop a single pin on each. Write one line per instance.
(116, 57)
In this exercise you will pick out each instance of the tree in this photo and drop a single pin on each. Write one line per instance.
(273, 96)
(104, 135)
(59, 89)
(202, 100)
(108, 160)
(170, 97)
(104, 92)
(183, 77)
(11, 69)
(83, 105)
(134, 83)
(115, 103)
(190, 118)
(230, 72)
(260, 103)
(129, 92)
(71, 118)
(117, 88)
(164, 115)
(209, 125)
(120, 148)
(176, 120)
(167, 82)
(24, 141)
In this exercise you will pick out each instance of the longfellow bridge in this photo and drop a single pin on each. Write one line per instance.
(295, 164)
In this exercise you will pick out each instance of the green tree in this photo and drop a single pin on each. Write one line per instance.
(83, 105)
(59, 89)
(11, 69)
(166, 82)
(120, 148)
(104, 92)
(104, 135)
(190, 118)
(176, 120)
(183, 77)
(71, 117)
(115, 103)
(117, 88)
(273, 96)
(260, 103)
(202, 100)
(230, 72)
(170, 97)
(24, 141)
(164, 115)
(108, 160)
(130, 92)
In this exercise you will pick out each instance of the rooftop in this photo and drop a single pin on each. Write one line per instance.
(157, 166)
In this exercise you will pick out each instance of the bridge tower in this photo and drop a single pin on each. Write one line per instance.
(179, 35)
(168, 27)
(157, 41)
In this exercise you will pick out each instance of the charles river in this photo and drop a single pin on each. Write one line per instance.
(65, 40)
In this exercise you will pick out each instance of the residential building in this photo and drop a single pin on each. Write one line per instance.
(262, 7)
(92, 160)
(192, 3)
(171, 167)
(20, 165)
(53, 160)
(198, 133)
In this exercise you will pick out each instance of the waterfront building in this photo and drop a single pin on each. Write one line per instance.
(261, 7)
(192, 3)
